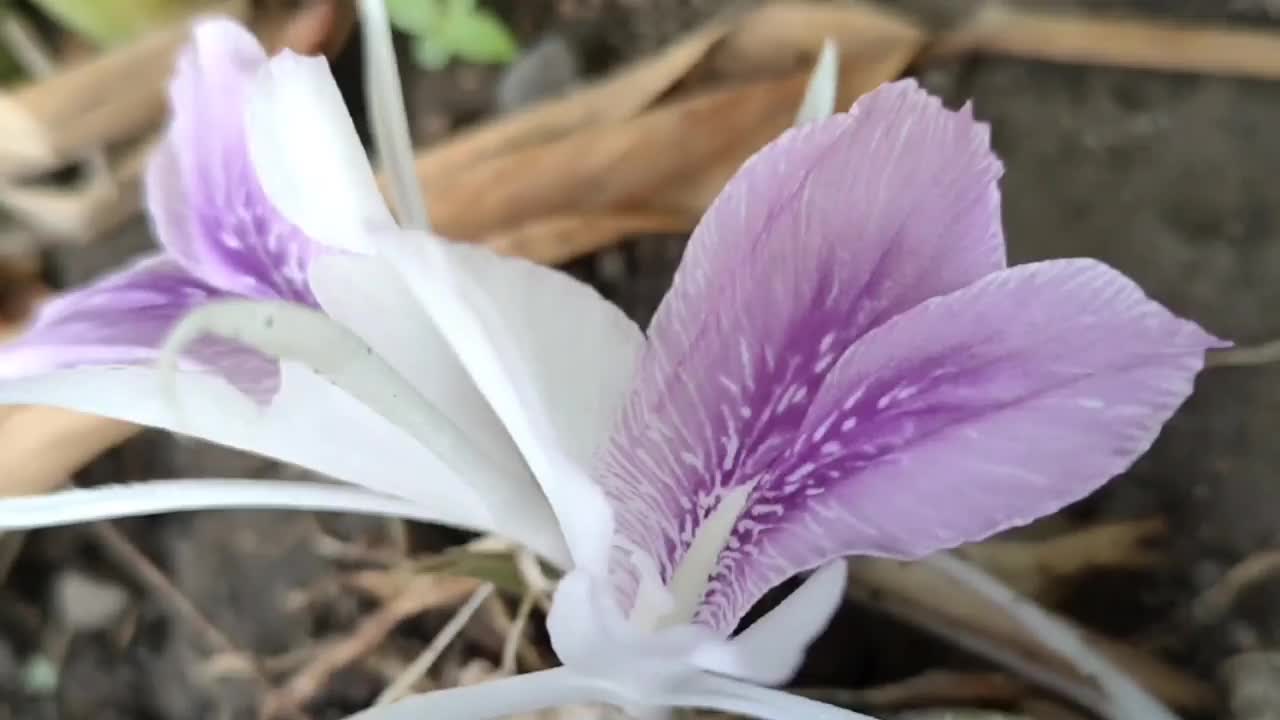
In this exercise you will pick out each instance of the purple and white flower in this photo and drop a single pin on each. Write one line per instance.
(844, 365)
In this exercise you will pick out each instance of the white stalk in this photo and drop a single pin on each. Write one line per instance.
(390, 121)
(156, 497)
(821, 93)
(714, 692)
(490, 700)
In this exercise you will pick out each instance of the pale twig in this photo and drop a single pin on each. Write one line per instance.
(1214, 602)
(534, 578)
(1124, 698)
(419, 595)
(422, 664)
(515, 634)
(145, 573)
(1249, 356)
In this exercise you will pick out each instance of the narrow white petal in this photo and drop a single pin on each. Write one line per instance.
(310, 423)
(824, 84)
(390, 122)
(490, 700)
(712, 692)
(773, 648)
(307, 155)
(165, 496)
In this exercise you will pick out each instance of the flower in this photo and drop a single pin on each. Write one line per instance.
(844, 365)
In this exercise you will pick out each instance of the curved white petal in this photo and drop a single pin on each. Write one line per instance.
(307, 156)
(294, 332)
(165, 496)
(366, 294)
(550, 355)
(772, 649)
(490, 700)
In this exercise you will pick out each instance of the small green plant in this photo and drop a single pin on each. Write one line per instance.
(446, 29)
(108, 23)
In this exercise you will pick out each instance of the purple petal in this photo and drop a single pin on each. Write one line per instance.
(969, 414)
(206, 203)
(123, 319)
(828, 232)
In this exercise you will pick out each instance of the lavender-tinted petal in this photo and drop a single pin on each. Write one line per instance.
(123, 319)
(828, 232)
(969, 414)
(207, 206)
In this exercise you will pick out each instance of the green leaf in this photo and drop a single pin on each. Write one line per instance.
(416, 17)
(479, 36)
(108, 23)
(429, 54)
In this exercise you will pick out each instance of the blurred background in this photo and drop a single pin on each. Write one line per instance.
(590, 134)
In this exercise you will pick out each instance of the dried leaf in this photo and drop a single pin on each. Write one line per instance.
(41, 447)
(559, 238)
(1176, 46)
(617, 97)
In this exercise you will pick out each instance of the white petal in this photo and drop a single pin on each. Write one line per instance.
(307, 155)
(772, 649)
(310, 423)
(552, 357)
(365, 294)
(390, 122)
(490, 700)
(824, 84)
(712, 692)
(165, 496)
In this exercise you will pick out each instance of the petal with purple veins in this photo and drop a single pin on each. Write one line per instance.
(123, 319)
(969, 414)
(828, 232)
(206, 203)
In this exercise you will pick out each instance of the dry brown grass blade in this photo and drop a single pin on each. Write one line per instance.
(1146, 44)
(617, 97)
(784, 36)
(673, 157)
(922, 595)
(610, 168)
(51, 122)
(82, 211)
(692, 191)
(559, 238)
